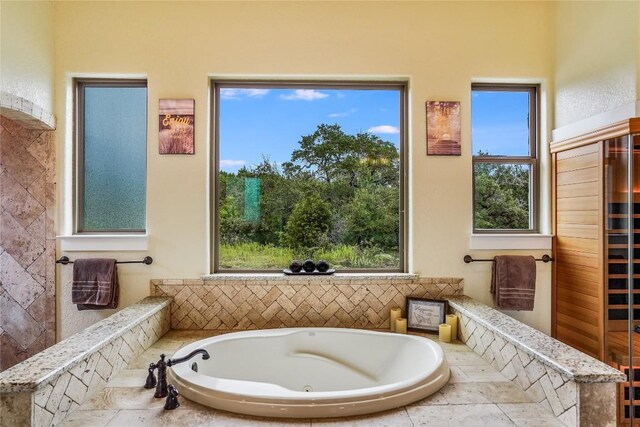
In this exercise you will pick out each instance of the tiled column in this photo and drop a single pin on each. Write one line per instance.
(27, 242)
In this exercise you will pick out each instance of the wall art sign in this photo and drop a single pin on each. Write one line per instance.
(425, 315)
(176, 126)
(443, 128)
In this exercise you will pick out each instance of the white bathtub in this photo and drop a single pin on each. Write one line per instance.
(311, 372)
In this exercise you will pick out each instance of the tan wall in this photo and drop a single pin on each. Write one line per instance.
(439, 47)
(596, 58)
(26, 46)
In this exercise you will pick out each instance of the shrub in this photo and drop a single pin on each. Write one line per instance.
(309, 223)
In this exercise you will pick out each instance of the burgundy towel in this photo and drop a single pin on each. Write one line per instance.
(95, 284)
(513, 282)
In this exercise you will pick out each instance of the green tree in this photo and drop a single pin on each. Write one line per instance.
(501, 196)
(331, 155)
(338, 192)
(276, 201)
(232, 227)
(309, 223)
(373, 217)
(335, 164)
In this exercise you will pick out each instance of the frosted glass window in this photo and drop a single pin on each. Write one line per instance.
(112, 157)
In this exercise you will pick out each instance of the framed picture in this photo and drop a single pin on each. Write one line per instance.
(176, 126)
(425, 315)
(443, 128)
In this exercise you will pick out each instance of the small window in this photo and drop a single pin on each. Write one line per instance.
(504, 133)
(309, 170)
(111, 155)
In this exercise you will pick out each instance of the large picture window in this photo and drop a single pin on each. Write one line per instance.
(111, 155)
(504, 133)
(309, 171)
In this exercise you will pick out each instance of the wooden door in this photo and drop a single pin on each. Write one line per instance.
(578, 291)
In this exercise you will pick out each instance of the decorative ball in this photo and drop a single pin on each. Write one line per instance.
(322, 266)
(295, 266)
(309, 266)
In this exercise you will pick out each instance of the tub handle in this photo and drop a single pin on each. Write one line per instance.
(172, 398)
(151, 378)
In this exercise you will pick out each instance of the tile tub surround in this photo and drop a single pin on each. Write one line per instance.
(45, 388)
(27, 241)
(477, 395)
(577, 388)
(264, 301)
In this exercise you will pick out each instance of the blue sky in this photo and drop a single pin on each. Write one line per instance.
(271, 121)
(499, 122)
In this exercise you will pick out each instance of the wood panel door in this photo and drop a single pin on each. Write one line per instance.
(578, 291)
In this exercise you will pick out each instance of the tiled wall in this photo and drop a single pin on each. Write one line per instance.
(575, 404)
(27, 242)
(291, 301)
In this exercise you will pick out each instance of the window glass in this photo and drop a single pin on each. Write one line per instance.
(500, 123)
(310, 172)
(502, 196)
(504, 138)
(113, 163)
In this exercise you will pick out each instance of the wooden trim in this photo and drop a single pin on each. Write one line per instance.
(614, 130)
(554, 269)
(602, 256)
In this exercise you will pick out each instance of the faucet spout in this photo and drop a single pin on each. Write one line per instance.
(205, 356)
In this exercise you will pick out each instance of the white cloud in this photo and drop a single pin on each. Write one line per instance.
(384, 129)
(232, 93)
(305, 95)
(345, 114)
(230, 164)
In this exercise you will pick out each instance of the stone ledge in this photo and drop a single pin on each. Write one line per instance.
(576, 365)
(44, 389)
(337, 277)
(25, 112)
(578, 389)
(46, 366)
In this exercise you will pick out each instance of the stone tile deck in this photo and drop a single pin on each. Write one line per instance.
(477, 395)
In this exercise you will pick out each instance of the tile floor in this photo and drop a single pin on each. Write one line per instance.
(477, 395)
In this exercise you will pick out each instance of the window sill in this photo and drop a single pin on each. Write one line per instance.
(111, 242)
(336, 277)
(510, 241)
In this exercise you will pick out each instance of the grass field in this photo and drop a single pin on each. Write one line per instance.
(257, 257)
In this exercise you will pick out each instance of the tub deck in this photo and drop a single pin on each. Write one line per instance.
(476, 395)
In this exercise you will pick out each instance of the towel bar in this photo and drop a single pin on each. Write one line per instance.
(468, 259)
(147, 260)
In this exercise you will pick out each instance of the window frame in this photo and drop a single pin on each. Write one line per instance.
(217, 84)
(532, 160)
(79, 142)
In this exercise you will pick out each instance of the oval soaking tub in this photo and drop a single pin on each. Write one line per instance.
(310, 372)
